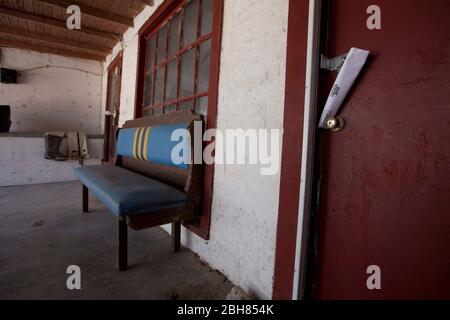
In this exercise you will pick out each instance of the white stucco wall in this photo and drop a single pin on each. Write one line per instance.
(251, 95)
(64, 97)
(129, 46)
(22, 162)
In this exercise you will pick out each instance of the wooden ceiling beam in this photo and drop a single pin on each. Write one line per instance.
(146, 2)
(56, 23)
(45, 49)
(90, 11)
(55, 40)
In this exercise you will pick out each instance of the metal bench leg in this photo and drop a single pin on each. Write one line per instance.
(123, 245)
(85, 199)
(176, 236)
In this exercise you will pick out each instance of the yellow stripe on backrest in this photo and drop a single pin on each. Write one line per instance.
(147, 134)
(139, 151)
(136, 134)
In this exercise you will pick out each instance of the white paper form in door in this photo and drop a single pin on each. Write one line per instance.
(355, 61)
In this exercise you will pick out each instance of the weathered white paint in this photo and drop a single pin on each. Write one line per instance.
(129, 47)
(65, 97)
(251, 95)
(22, 162)
(52, 99)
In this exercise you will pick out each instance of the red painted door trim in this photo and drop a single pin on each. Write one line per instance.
(292, 148)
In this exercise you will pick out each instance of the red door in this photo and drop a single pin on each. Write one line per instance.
(385, 189)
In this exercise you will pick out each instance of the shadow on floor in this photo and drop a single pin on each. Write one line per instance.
(42, 232)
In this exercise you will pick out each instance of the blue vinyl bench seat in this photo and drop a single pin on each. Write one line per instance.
(154, 180)
(127, 193)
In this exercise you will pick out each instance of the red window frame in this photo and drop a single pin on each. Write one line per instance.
(165, 11)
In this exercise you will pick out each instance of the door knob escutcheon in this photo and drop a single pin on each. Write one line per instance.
(335, 124)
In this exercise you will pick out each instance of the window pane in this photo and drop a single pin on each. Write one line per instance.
(174, 35)
(186, 105)
(187, 74)
(171, 108)
(158, 111)
(201, 106)
(204, 60)
(148, 113)
(151, 52)
(112, 92)
(171, 85)
(207, 16)
(148, 89)
(190, 23)
(162, 44)
(159, 86)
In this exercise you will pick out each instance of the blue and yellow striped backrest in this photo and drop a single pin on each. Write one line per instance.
(152, 144)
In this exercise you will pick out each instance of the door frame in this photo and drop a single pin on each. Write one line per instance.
(309, 180)
(117, 62)
(293, 145)
(298, 199)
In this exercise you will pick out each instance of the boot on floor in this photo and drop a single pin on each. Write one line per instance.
(52, 144)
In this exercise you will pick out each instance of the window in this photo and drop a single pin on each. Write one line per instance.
(178, 69)
(177, 66)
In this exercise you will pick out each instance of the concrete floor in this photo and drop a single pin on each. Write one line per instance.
(42, 232)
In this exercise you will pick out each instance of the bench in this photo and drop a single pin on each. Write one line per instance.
(145, 188)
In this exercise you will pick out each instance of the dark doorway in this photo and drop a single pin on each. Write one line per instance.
(112, 107)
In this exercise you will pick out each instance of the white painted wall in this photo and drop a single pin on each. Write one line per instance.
(52, 99)
(251, 95)
(64, 97)
(129, 46)
(22, 162)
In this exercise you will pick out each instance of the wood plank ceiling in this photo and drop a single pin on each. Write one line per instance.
(40, 25)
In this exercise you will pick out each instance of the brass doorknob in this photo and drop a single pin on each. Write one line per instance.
(335, 124)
